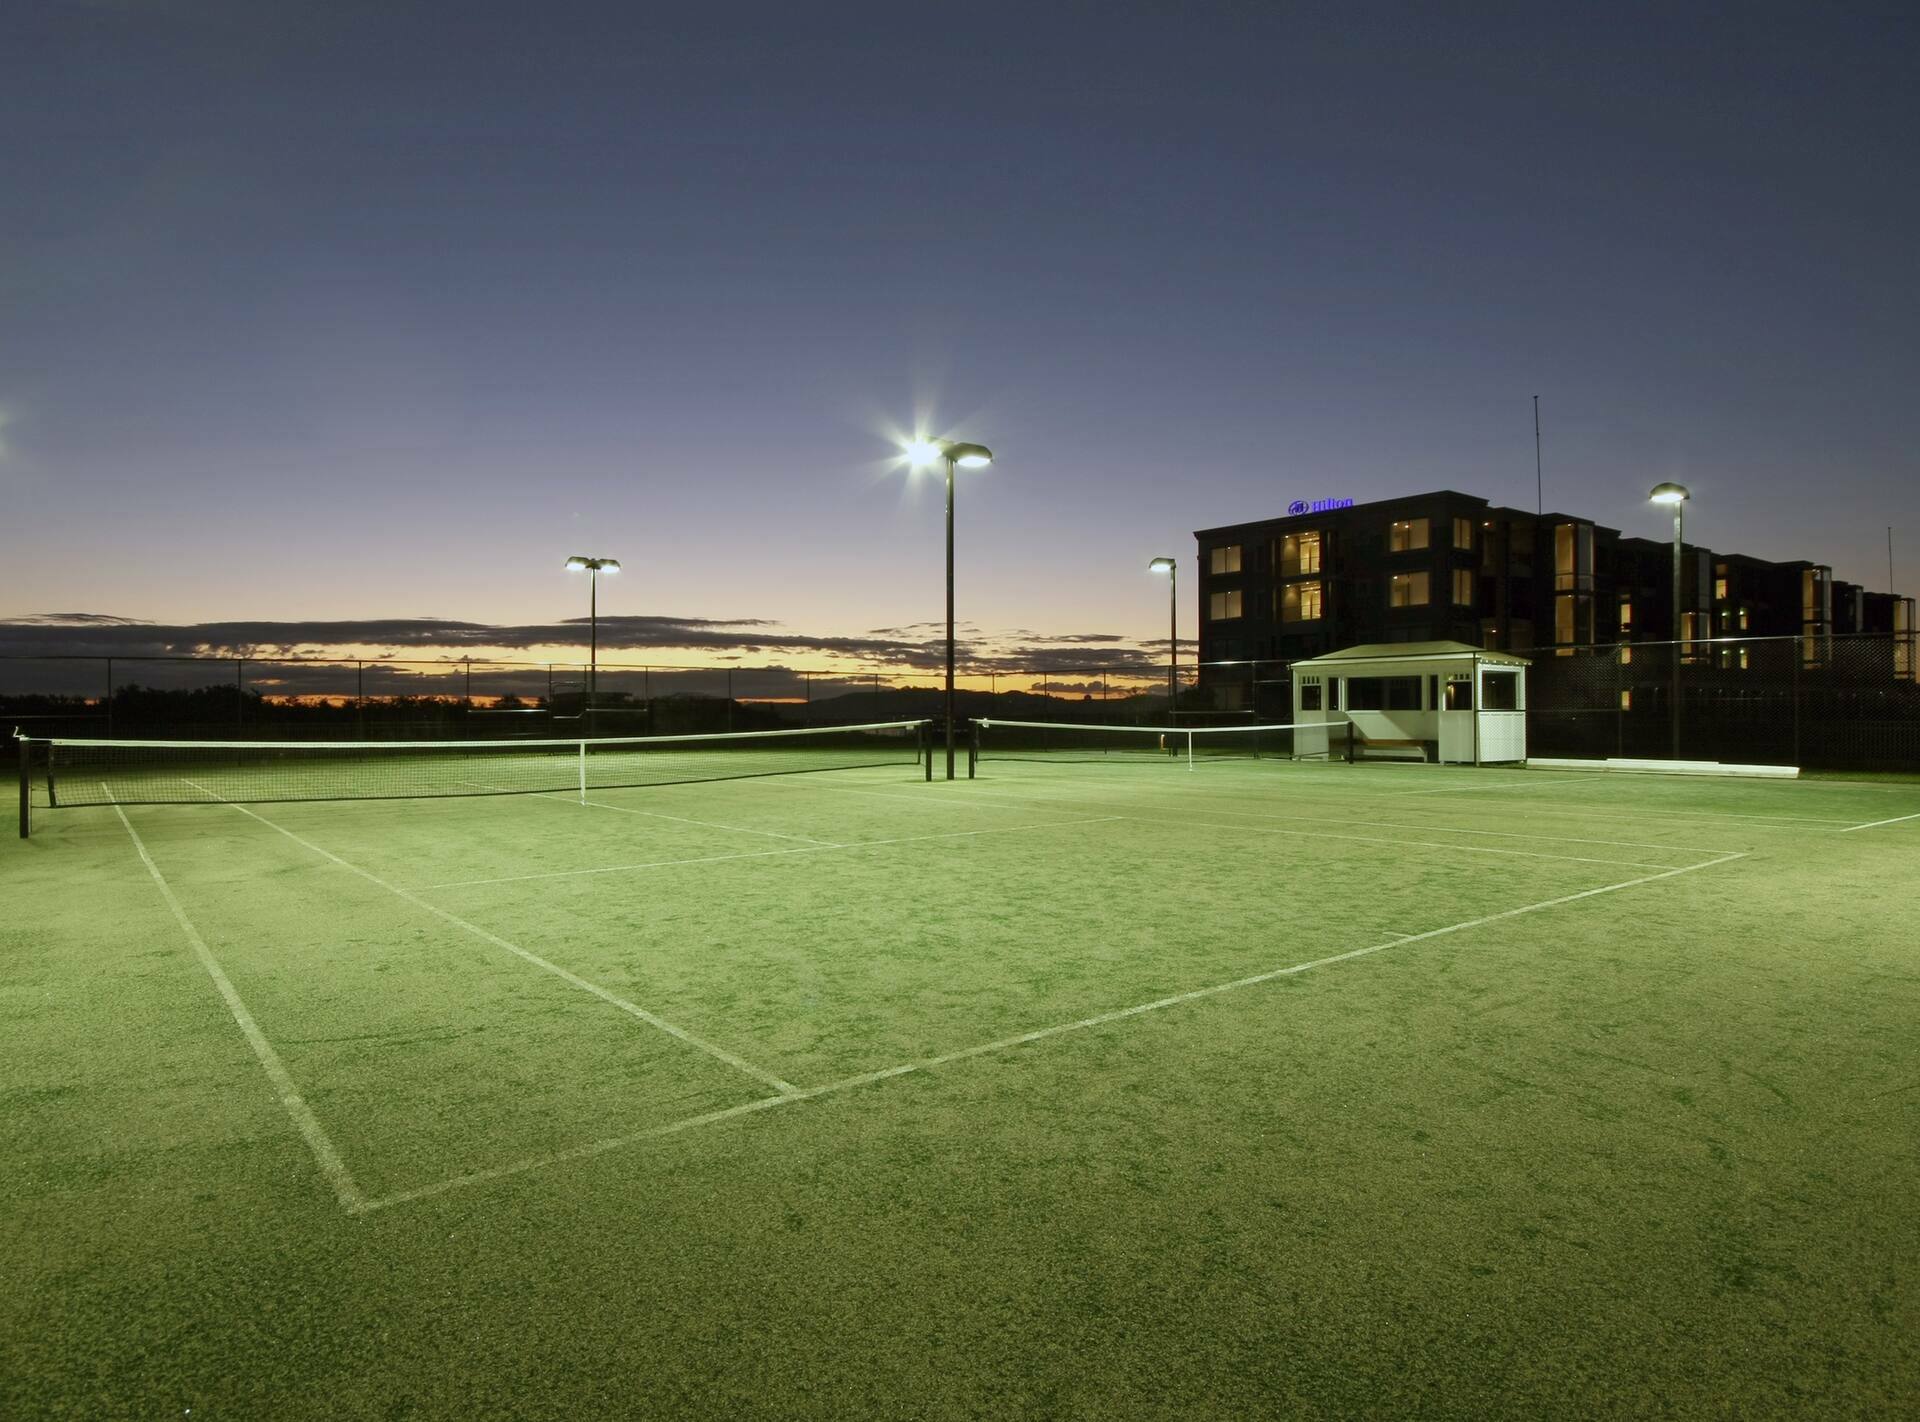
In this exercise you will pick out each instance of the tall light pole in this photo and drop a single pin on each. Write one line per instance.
(1677, 495)
(967, 456)
(593, 568)
(1171, 568)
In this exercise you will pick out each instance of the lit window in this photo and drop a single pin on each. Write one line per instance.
(1743, 619)
(1407, 589)
(1406, 535)
(1225, 559)
(1814, 598)
(1693, 628)
(1299, 553)
(1626, 615)
(1626, 701)
(1719, 589)
(1463, 533)
(1300, 602)
(1463, 587)
(1224, 605)
(1563, 619)
(1626, 655)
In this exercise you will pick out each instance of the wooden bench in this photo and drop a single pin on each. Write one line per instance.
(1366, 749)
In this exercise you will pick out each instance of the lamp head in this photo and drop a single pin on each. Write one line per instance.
(922, 452)
(580, 563)
(577, 564)
(1669, 494)
(1162, 565)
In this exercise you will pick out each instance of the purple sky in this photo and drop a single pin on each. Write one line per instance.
(318, 312)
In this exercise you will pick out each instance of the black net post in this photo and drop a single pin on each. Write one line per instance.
(926, 750)
(973, 748)
(26, 785)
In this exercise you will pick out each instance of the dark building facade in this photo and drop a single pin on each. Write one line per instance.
(1446, 566)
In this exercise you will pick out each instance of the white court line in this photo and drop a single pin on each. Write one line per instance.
(613, 999)
(1589, 811)
(1875, 824)
(657, 815)
(1332, 819)
(324, 1154)
(1421, 844)
(580, 1152)
(765, 853)
(764, 1103)
(1560, 778)
(936, 801)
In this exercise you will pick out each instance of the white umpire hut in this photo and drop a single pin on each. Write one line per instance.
(1441, 701)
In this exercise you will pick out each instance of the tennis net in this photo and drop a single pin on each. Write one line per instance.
(58, 773)
(1066, 741)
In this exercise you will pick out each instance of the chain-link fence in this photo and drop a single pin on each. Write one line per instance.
(1823, 702)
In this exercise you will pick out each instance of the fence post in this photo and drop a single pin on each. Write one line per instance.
(240, 695)
(1619, 704)
(360, 701)
(109, 698)
(1794, 650)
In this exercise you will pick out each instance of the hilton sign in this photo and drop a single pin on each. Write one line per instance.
(1300, 506)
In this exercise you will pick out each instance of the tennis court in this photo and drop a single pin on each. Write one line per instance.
(1140, 1086)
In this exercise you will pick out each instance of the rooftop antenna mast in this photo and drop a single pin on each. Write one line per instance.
(1539, 488)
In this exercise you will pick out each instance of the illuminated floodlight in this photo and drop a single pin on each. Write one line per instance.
(593, 568)
(1675, 495)
(919, 454)
(1171, 567)
(922, 452)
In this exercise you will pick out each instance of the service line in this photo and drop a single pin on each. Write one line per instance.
(766, 853)
(765, 1103)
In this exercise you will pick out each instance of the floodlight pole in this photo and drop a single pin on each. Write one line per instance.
(949, 458)
(1173, 644)
(592, 567)
(921, 453)
(1677, 495)
(1171, 567)
(1678, 557)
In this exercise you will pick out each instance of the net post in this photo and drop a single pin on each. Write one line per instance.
(973, 748)
(1189, 748)
(583, 772)
(926, 749)
(26, 784)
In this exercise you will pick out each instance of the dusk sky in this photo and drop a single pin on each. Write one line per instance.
(320, 312)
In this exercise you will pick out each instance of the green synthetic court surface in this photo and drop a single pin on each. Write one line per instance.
(1073, 1091)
